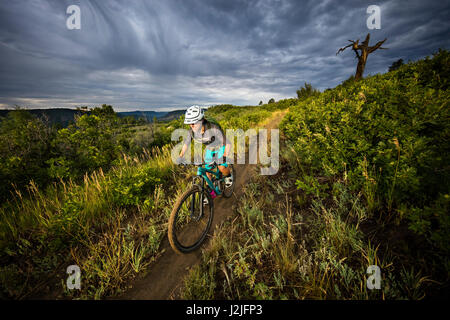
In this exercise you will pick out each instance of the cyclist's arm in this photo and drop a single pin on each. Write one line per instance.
(227, 148)
(186, 144)
(225, 141)
(183, 150)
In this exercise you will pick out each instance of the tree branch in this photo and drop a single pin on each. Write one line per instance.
(377, 46)
(342, 49)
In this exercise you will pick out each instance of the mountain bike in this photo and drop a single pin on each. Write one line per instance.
(193, 212)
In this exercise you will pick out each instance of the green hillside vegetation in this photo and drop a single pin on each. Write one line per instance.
(103, 201)
(62, 117)
(364, 180)
(32, 149)
(229, 116)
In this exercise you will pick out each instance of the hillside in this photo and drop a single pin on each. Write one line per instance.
(111, 220)
(165, 276)
(58, 115)
(64, 116)
(364, 181)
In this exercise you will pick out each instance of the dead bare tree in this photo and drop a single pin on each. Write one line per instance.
(364, 51)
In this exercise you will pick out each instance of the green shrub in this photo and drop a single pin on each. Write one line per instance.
(24, 149)
(307, 91)
(88, 144)
(387, 136)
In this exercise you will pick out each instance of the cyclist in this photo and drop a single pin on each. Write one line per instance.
(211, 135)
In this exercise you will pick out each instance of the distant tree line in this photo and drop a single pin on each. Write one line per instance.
(32, 149)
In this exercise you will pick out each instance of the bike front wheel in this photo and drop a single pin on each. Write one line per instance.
(190, 220)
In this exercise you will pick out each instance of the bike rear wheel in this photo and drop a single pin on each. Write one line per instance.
(227, 192)
(188, 227)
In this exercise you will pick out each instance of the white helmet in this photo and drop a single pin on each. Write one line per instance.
(193, 114)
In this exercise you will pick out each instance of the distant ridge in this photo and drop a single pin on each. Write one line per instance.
(173, 115)
(64, 116)
(148, 115)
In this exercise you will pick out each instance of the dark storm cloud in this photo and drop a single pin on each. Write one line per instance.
(170, 54)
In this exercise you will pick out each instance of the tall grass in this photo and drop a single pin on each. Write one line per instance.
(286, 249)
(111, 225)
(366, 170)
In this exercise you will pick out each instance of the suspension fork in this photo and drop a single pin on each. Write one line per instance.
(201, 197)
(200, 204)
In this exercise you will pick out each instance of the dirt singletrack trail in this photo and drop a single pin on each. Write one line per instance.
(165, 277)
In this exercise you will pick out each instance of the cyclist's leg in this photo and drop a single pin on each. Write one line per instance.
(209, 158)
(226, 173)
(223, 165)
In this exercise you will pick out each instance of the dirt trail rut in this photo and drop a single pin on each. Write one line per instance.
(165, 278)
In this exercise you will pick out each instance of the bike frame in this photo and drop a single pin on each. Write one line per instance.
(201, 173)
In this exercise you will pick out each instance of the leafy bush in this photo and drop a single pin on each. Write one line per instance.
(388, 137)
(307, 91)
(395, 65)
(234, 117)
(88, 144)
(24, 149)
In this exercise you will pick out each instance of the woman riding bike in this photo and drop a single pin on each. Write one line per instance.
(212, 136)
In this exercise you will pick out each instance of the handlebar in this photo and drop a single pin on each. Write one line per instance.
(198, 164)
(183, 162)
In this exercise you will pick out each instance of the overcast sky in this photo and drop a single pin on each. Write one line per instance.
(165, 55)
